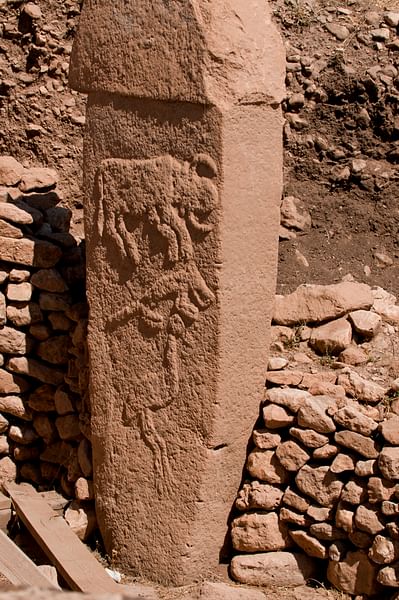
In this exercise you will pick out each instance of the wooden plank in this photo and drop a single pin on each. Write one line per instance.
(18, 568)
(81, 571)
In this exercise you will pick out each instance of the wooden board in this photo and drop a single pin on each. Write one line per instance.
(18, 568)
(72, 559)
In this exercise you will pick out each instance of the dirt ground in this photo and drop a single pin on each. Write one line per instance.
(353, 219)
(355, 214)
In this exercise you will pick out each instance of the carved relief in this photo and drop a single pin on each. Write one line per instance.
(175, 200)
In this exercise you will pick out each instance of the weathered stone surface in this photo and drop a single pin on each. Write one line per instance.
(338, 30)
(364, 446)
(26, 453)
(332, 337)
(276, 363)
(362, 389)
(368, 520)
(54, 302)
(380, 489)
(3, 424)
(45, 428)
(313, 414)
(68, 427)
(273, 569)
(291, 455)
(84, 490)
(49, 280)
(352, 419)
(37, 370)
(22, 435)
(390, 430)
(40, 331)
(326, 532)
(266, 439)
(389, 509)
(59, 322)
(28, 252)
(389, 576)
(293, 499)
(19, 275)
(384, 551)
(312, 380)
(365, 468)
(9, 231)
(353, 355)
(309, 438)
(85, 458)
(13, 341)
(355, 574)
(294, 214)
(388, 462)
(4, 445)
(259, 532)
(19, 292)
(290, 398)
(290, 516)
(13, 405)
(317, 303)
(258, 495)
(16, 215)
(8, 470)
(319, 513)
(344, 518)
(3, 312)
(353, 492)
(265, 466)
(23, 314)
(37, 179)
(55, 350)
(285, 377)
(320, 484)
(276, 417)
(10, 171)
(325, 452)
(309, 544)
(169, 270)
(63, 402)
(59, 453)
(81, 519)
(365, 322)
(12, 384)
(342, 463)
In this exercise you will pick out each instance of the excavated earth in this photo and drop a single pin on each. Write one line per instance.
(341, 181)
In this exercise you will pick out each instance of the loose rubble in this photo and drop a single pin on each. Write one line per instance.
(323, 474)
(338, 213)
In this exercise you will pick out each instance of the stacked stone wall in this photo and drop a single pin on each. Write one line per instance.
(322, 477)
(44, 409)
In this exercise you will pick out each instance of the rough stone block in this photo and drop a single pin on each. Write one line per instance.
(183, 186)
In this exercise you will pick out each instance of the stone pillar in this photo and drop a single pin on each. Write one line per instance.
(183, 178)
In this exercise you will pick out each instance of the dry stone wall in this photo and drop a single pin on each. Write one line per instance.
(323, 474)
(44, 410)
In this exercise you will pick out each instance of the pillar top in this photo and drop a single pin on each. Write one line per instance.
(217, 52)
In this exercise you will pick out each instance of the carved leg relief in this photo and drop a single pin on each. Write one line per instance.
(163, 476)
(128, 241)
(171, 217)
(198, 225)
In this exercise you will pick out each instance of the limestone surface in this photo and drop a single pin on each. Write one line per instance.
(180, 275)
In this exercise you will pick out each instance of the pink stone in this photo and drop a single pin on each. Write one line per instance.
(182, 189)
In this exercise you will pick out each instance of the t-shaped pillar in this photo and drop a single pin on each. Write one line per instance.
(183, 178)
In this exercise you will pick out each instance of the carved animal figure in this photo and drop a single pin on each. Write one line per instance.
(175, 198)
(170, 195)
